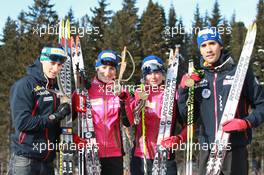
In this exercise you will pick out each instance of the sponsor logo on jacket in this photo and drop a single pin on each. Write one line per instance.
(228, 80)
(202, 83)
(40, 90)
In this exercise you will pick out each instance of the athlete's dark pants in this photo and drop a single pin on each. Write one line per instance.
(112, 166)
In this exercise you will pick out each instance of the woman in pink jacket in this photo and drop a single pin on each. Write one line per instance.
(106, 109)
(154, 77)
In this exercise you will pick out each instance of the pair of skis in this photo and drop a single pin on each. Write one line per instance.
(161, 156)
(88, 159)
(219, 149)
(64, 82)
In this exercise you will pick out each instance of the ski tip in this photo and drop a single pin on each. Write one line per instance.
(177, 51)
(171, 54)
(252, 26)
(123, 54)
(190, 66)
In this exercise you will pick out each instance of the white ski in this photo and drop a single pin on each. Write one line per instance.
(161, 156)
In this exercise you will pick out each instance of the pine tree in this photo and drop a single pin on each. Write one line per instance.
(124, 28)
(70, 16)
(8, 72)
(172, 19)
(198, 21)
(9, 54)
(233, 18)
(196, 26)
(40, 23)
(101, 20)
(75, 30)
(123, 31)
(225, 33)
(95, 40)
(89, 56)
(173, 31)
(258, 57)
(238, 36)
(181, 36)
(9, 31)
(216, 16)
(152, 29)
(182, 42)
(21, 20)
(258, 66)
(41, 13)
(206, 21)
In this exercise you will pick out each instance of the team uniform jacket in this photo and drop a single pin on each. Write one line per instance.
(152, 122)
(31, 103)
(106, 119)
(210, 98)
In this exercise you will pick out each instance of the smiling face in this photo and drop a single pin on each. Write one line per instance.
(154, 78)
(211, 51)
(51, 69)
(106, 73)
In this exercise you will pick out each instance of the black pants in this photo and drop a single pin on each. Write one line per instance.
(235, 162)
(137, 166)
(112, 166)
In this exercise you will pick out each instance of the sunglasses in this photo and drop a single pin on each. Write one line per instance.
(109, 63)
(54, 58)
(151, 68)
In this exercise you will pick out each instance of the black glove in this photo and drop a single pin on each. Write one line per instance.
(123, 96)
(63, 110)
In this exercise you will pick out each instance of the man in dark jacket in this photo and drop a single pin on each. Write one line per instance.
(32, 102)
(211, 94)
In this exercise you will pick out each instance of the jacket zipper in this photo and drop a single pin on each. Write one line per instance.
(158, 109)
(54, 103)
(215, 104)
(105, 117)
(47, 138)
(46, 130)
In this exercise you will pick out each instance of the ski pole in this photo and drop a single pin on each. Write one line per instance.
(190, 84)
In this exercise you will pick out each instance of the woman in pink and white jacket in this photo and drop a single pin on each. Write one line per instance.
(154, 76)
(106, 110)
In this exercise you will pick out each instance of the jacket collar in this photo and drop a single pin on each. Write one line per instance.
(225, 62)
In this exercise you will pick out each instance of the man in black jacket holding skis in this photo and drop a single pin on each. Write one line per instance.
(36, 113)
(211, 92)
